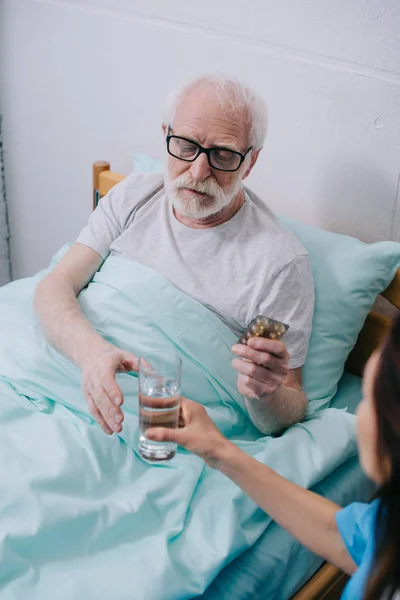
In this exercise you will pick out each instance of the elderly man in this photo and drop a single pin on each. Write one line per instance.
(209, 236)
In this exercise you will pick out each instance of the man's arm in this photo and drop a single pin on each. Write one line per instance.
(268, 380)
(273, 394)
(276, 411)
(58, 309)
(67, 329)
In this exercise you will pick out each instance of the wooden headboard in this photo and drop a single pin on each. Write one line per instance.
(103, 180)
(376, 324)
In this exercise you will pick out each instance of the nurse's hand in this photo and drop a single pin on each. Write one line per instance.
(197, 433)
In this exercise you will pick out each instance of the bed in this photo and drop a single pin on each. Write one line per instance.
(84, 517)
(292, 571)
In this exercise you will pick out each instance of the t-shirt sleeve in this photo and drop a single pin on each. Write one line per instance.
(105, 222)
(356, 524)
(114, 211)
(290, 299)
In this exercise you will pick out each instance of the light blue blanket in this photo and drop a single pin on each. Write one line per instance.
(82, 517)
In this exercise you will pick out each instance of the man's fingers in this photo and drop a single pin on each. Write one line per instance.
(275, 347)
(129, 362)
(260, 344)
(261, 374)
(251, 388)
(109, 411)
(247, 392)
(113, 392)
(267, 361)
(97, 416)
(264, 359)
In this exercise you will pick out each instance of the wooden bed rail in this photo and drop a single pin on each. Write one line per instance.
(392, 293)
(103, 180)
(327, 584)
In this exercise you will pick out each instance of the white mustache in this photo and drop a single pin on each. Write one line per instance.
(210, 188)
(193, 207)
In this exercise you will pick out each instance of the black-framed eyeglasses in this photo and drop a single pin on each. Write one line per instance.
(222, 159)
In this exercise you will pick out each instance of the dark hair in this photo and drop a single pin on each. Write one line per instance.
(384, 579)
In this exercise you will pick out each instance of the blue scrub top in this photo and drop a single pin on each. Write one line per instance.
(356, 525)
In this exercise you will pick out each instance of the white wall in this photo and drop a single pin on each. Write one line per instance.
(85, 80)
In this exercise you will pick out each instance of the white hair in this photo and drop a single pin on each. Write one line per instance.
(232, 96)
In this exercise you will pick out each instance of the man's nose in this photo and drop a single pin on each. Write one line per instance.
(200, 168)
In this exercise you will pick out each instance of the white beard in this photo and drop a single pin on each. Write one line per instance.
(193, 206)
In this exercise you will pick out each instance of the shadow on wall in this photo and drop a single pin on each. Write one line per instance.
(5, 263)
(357, 200)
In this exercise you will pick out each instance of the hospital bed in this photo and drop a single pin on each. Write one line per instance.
(298, 573)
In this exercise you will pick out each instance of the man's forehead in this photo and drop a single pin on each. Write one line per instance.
(200, 113)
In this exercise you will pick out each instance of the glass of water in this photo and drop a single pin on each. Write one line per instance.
(160, 376)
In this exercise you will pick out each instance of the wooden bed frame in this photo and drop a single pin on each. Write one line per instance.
(328, 582)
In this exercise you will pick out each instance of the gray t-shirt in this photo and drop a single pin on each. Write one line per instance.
(248, 266)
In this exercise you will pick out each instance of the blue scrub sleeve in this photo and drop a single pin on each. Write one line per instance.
(356, 524)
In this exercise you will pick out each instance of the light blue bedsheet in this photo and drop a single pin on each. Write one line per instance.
(277, 565)
(81, 515)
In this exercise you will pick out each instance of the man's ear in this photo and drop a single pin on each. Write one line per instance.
(164, 128)
(254, 157)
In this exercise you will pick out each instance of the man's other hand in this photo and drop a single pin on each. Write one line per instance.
(100, 388)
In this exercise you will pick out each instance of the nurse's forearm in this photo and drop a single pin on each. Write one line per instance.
(308, 517)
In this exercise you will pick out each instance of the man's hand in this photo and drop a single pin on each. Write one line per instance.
(197, 432)
(100, 388)
(262, 364)
(272, 393)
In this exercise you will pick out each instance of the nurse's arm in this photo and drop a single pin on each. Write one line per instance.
(308, 517)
